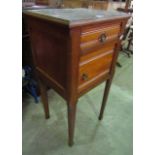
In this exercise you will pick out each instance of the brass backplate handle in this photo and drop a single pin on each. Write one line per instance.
(84, 77)
(102, 38)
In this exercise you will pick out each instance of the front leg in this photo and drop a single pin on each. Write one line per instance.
(71, 122)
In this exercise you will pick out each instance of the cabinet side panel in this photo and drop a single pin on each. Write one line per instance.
(49, 51)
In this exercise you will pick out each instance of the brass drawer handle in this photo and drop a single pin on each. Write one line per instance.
(102, 38)
(84, 77)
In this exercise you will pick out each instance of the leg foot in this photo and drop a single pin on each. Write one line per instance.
(118, 64)
(70, 144)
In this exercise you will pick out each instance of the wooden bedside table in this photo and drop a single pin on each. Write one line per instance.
(74, 50)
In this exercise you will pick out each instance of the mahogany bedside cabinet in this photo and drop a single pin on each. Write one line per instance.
(74, 50)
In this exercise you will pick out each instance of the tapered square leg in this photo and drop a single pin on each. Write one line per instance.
(105, 97)
(71, 123)
(44, 99)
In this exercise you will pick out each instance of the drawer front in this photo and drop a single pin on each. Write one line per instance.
(99, 36)
(94, 66)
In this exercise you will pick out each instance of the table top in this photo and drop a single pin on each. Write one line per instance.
(74, 16)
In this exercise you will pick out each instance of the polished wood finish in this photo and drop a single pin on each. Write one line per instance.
(91, 36)
(94, 33)
(73, 58)
(50, 65)
(94, 68)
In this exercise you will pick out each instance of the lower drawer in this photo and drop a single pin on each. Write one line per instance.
(94, 68)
